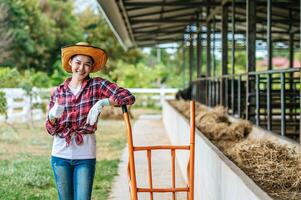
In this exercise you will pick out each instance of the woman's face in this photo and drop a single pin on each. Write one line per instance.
(81, 66)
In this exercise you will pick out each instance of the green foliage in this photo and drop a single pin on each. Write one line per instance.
(59, 75)
(98, 33)
(40, 79)
(138, 76)
(39, 29)
(26, 82)
(5, 35)
(3, 104)
(9, 77)
(27, 79)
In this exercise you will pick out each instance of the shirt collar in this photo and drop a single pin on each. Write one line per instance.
(84, 83)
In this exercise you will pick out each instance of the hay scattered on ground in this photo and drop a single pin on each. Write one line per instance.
(275, 168)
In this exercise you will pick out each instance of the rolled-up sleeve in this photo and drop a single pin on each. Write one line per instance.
(121, 96)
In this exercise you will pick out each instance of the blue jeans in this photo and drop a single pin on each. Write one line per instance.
(74, 178)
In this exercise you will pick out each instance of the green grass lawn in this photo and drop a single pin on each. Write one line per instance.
(25, 170)
(30, 177)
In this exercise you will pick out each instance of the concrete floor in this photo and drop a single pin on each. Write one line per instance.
(148, 130)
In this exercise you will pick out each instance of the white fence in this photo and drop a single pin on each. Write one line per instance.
(19, 104)
(156, 94)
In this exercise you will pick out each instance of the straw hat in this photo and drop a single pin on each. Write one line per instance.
(82, 48)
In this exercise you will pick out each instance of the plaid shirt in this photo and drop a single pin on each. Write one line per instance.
(73, 120)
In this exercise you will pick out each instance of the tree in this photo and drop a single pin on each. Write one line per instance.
(98, 33)
(40, 28)
(5, 36)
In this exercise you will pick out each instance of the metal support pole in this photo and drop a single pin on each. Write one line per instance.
(300, 97)
(239, 96)
(217, 92)
(224, 52)
(291, 65)
(269, 34)
(269, 46)
(213, 65)
(214, 71)
(208, 56)
(226, 92)
(300, 85)
(283, 122)
(220, 86)
(291, 50)
(257, 100)
(224, 40)
(208, 48)
(190, 57)
(233, 57)
(184, 66)
(199, 48)
(269, 117)
(209, 92)
(251, 48)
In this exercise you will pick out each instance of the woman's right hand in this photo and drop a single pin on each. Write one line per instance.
(56, 111)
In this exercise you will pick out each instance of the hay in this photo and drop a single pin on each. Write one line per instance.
(216, 126)
(275, 168)
(239, 130)
(184, 107)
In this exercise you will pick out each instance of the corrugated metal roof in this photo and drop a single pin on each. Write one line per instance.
(140, 23)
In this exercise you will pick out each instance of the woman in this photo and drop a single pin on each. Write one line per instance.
(72, 119)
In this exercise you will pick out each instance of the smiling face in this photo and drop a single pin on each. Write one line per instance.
(81, 66)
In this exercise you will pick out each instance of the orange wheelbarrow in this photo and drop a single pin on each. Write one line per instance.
(131, 164)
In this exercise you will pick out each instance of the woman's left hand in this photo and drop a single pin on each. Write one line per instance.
(96, 110)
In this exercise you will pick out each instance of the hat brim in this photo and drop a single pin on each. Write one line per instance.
(98, 55)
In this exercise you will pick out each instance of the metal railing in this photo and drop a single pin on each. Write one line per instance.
(270, 99)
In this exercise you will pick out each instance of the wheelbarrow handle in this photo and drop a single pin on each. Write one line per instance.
(124, 109)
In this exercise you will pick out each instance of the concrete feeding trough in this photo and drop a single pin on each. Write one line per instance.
(216, 176)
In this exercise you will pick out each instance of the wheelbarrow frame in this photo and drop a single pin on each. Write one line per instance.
(131, 164)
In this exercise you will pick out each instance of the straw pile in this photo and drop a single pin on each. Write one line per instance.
(182, 106)
(217, 127)
(275, 168)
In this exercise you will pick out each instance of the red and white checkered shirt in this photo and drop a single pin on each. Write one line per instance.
(77, 107)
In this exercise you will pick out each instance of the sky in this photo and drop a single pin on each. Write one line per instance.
(82, 4)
